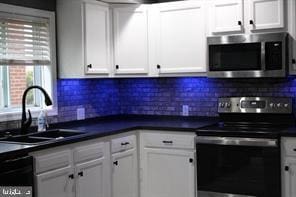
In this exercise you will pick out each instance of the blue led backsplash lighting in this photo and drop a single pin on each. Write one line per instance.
(160, 96)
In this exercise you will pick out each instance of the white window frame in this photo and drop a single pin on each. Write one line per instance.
(50, 73)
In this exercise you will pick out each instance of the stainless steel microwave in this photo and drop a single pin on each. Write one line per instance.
(248, 56)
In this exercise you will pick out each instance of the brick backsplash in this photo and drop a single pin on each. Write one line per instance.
(156, 96)
(165, 96)
(99, 97)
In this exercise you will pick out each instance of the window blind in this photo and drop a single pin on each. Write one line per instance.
(24, 42)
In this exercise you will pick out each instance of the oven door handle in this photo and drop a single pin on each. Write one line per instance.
(237, 141)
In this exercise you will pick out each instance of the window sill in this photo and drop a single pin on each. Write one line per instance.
(17, 114)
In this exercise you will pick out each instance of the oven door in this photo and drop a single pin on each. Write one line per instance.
(228, 166)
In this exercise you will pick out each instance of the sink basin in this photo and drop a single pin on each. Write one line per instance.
(58, 133)
(41, 137)
(26, 139)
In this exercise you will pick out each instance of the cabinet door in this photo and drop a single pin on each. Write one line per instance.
(226, 16)
(131, 39)
(266, 14)
(181, 37)
(96, 38)
(57, 183)
(289, 178)
(167, 173)
(91, 178)
(124, 174)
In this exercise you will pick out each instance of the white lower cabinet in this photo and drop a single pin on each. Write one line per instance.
(167, 171)
(86, 173)
(124, 174)
(288, 153)
(56, 183)
(124, 166)
(109, 167)
(90, 178)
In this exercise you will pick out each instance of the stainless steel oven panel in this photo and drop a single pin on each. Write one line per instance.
(274, 105)
(253, 38)
(237, 141)
(216, 194)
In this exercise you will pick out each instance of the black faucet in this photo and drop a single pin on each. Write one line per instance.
(26, 123)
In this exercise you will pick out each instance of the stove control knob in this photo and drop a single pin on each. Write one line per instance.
(228, 105)
(286, 105)
(279, 105)
(221, 105)
(272, 105)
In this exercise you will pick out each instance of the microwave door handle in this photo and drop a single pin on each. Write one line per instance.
(237, 141)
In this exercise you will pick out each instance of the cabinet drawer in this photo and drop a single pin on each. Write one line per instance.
(290, 146)
(89, 152)
(52, 161)
(123, 143)
(166, 140)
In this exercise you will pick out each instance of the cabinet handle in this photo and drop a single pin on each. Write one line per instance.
(117, 67)
(190, 160)
(71, 176)
(80, 174)
(286, 168)
(89, 66)
(251, 22)
(158, 66)
(239, 23)
(167, 142)
(115, 163)
(293, 61)
(124, 143)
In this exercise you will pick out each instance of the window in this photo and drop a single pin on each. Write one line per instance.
(27, 56)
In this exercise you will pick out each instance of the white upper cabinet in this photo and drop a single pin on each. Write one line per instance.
(266, 14)
(96, 38)
(245, 16)
(180, 37)
(226, 16)
(130, 39)
(83, 39)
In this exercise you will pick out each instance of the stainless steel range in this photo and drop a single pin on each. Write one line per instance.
(240, 155)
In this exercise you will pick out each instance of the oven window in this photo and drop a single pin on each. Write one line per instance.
(243, 170)
(235, 57)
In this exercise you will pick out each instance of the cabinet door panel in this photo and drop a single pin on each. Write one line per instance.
(289, 178)
(227, 16)
(124, 176)
(131, 39)
(91, 179)
(181, 42)
(96, 38)
(167, 173)
(55, 183)
(266, 14)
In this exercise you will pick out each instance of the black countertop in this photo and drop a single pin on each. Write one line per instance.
(101, 127)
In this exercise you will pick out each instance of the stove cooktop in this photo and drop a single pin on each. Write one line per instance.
(244, 130)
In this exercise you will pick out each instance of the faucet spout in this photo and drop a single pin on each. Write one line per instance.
(26, 123)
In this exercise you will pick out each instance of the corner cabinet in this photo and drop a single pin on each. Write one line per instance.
(130, 25)
(124, 161)
(180, 37)
(84, 43)
(167, 166)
